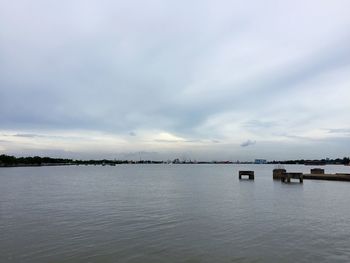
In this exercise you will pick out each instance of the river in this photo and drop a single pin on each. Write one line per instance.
(171, 213)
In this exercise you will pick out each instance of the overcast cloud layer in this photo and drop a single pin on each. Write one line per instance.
(165, 79)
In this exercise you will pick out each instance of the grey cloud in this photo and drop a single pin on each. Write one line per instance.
(28, 135)
(259, 124)
(340, 130)
(44, 136)
(111, 67)
(169, 141)
(144, 155)
(23, 135)
(248, 143)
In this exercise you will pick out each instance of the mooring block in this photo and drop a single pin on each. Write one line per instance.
(250, 174)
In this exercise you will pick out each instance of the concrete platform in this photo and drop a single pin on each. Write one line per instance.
(286, 177)
(330, 177)
(250, 174)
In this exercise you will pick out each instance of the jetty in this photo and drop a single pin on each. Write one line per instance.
(277, 173)
(250, 174)
(319, 174)
(286, 177)
(315, 174)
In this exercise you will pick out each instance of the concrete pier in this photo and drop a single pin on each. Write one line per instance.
(329, 177)
(250, 174)
(286, 177)
(317, 171)
(318, 174)
(277, 173)
(315, 174)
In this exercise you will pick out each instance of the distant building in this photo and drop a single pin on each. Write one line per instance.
(260, 161)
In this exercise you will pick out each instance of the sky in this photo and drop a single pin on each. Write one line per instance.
(163, 79)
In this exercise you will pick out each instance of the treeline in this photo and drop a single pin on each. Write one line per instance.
(344, 161)
(113, 162)
(8, 161)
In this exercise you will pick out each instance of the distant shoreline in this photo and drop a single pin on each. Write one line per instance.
(136, 163)
(12, 161)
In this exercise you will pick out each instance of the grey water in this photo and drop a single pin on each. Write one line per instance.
(171, 213)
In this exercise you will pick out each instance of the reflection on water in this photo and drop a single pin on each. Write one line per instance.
(171, 213)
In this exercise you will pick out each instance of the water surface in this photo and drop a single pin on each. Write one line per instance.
(171, 213)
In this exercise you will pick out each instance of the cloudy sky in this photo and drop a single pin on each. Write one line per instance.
(160, 79)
